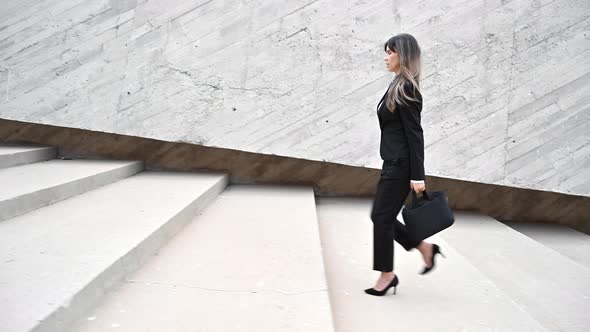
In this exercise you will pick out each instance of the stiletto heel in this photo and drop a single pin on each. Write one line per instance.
(435, 250)
(393, 283)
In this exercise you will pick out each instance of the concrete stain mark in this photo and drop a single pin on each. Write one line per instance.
(118, 23)
(433, 20)
(293, 34)
(91, 17)
(129, 107)
(67, 67)
(183, 72)
(189, 74)
(256, 90)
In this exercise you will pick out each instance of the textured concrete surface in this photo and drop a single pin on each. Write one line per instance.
(29, 187)
(252, 261)
(506, 83)
(14, 155)
(551, 287)
(457, 296)
(500, 202)
(57, 261)
(562, 239)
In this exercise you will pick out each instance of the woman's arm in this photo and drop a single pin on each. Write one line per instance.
(410, 116)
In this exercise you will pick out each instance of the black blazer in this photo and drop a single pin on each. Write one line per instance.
(401, 132)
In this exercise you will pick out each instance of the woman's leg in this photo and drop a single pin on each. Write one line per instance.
(403, 237)
(392, 190)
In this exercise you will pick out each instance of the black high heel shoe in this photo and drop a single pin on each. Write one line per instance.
(435, 250)
(393, 283)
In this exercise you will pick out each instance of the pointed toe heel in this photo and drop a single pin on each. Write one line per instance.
(393, 283)
(435, 251)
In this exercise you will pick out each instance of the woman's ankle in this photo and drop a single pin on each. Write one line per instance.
(423, 246)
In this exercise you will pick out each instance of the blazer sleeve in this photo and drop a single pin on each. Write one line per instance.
(410, 116)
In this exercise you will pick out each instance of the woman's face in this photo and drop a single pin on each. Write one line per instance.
(392, 60)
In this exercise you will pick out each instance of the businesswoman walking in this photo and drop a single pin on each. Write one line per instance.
(402, 151)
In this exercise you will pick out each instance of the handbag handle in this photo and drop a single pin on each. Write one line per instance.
(415, 198)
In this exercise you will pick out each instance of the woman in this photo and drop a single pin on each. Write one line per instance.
(402, 151)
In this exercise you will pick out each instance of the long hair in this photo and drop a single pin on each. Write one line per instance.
(406, 46)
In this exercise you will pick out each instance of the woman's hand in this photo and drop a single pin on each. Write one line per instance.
(418, 187)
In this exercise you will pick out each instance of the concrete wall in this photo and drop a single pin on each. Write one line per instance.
(506, 83)
(328, 179)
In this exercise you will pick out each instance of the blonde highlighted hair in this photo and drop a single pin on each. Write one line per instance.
(405, 85)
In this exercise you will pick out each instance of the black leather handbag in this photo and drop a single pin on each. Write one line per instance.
(427, 215)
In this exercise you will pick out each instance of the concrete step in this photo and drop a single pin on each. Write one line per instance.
(565, 240)
(59, 260)
(13, 154)
(552, 288)
(456, 296)
(251, 262)
(29, 187)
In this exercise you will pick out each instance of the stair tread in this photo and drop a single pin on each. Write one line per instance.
(14, 149)
(549, 285)
(455, 296)
(251, 261)
(13, 155)
(563, 239)
(50, 254)
(30, 178)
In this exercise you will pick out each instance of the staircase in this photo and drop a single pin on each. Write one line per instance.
(96, 245)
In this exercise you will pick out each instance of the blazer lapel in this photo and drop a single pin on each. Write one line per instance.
(382, 98)
(379, 106)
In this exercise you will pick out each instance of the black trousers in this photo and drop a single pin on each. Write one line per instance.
(392, 190)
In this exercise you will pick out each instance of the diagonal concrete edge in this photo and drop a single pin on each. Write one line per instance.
(13, 155)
